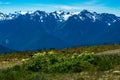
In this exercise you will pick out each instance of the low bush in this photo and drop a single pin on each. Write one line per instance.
(52, 62)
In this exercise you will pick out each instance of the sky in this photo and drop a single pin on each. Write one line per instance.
(100, 6)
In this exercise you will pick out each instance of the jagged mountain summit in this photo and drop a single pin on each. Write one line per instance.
(61, 16)
(59, 29)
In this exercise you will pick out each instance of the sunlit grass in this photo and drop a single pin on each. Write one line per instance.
(67, 64)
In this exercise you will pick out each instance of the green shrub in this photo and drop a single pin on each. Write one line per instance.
(106, 62)
(52, 62)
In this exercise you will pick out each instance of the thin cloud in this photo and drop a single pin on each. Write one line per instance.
(92, 2)
(4, 3)
(96, 8)
(72, 8)
(67, 7)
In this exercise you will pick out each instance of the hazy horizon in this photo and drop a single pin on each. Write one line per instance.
(100, 6)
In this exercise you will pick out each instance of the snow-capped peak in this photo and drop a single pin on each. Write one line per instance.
(2, 16)
(62, 16)
(75, 13)
(59, 12)
(23, 13)
(66, 16)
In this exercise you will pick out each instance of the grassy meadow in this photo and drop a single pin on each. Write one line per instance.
(78, 63)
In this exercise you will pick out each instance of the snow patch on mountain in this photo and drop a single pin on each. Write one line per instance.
(62, 16)
(23, 13)
(75, 13)
(2, 16)
(67, 16)
(109, 24)
(114, 21)
(59, 12)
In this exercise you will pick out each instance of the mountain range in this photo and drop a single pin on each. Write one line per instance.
(59, 29)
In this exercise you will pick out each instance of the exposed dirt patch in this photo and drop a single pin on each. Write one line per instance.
(110, 52)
